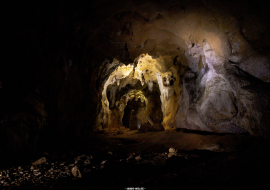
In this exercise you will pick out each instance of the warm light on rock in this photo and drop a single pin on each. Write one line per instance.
(136, 84)
(160, 71)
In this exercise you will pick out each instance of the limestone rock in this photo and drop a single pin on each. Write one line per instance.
(86, 162)
(218, 102)
(103, 162)
(138, 158)
(172, 152)
(158, 127)
(76, 172)
(40, 161)
(224, 101)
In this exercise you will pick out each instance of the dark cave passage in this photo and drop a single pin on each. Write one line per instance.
(130, 119)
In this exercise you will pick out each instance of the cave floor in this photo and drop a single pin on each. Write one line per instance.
(148, 142)
(126, 159)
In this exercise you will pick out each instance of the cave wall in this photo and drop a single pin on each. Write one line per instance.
(58, 56)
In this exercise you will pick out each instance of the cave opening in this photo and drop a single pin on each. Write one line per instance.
(130, 119)
(152, 79)
(136, 105)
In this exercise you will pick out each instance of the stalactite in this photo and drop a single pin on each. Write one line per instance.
(166, 93)
(168, 77)
(150, 85)
(142, 79)
(161, 88)
(113, 80)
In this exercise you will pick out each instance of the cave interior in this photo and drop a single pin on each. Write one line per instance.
(132, 94)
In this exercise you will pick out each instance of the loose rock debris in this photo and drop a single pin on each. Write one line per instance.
(45, 173)
(149, 170)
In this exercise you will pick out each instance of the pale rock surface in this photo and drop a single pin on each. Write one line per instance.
(76, 172)
(40, 161)
(172, 152)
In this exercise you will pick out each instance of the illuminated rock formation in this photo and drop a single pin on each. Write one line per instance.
(201, 65)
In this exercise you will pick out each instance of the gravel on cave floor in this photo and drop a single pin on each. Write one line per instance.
(107, 167)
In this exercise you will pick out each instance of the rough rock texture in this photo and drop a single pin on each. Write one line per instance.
(227, 101)
(194, 161)
(40, 161)
(162, 71)
(76, 172)
(64, 53)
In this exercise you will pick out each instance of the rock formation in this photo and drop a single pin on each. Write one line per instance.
(198, 64)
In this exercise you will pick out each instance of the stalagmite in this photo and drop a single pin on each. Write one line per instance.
(168, 77)
(159, 79)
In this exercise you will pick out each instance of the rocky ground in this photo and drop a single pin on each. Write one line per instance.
(123, 164)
